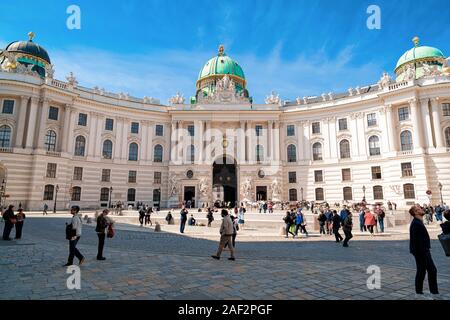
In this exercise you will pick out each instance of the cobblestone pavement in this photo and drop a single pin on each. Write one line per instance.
(142, 264)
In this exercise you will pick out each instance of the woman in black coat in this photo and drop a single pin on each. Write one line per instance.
(19, 224)
(9, 218)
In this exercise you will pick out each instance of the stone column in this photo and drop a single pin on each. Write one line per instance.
(300, 142)
(241, 142)
(118, 145)
(32, 123)
(270, 141)
(437, 118)
(326, 137)
(144, 138)
(392, 129)
(173, 142)
(385, 139)
(417, 124)
(124, 137)
(307, 146)
(276, 145)
(208, 145)
(362, 135)
(354, 132)
(21, 122)
(332, 130)
(92, 133)
(151, 129)
(251, 143)
(43, 123)
(66, 127)
(180, 140)
(70, 136)
(200, 133)
(428, 131)
(98, 149)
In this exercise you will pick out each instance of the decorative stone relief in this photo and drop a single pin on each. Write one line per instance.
(276, 190)
(177, 99)
(273, 98)
(204, 187)
(385, 81)
(72, 80)
(225, 93)
(246, 189)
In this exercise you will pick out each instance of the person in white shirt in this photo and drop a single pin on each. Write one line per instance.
(75, 237)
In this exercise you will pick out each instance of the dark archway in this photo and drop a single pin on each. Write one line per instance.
(225, 180)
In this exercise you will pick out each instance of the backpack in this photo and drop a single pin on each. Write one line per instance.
(110, 233)
(382, 214)
(70, 233)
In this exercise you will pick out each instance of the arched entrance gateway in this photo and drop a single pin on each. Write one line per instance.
(225, 181)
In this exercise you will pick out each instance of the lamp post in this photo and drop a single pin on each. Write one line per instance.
(301, 190)
(56, 197)
(2, 193)
(440, 192)
(364, 190)
(110, 193)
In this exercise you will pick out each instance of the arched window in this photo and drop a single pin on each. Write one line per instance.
(319, 194)
(48, 192)
(374, 146)
(292, 194)
(317, 151)
(259, 153)
(5, 136)
(447, 137)
(107, 149)
(378, 193)
(133, 150)
(406, 140)
(50, 140)
(80, 146)
(408, 191)
(104, 194)
(156, 196)
(348, 195)
(158, 153)
(344, 147)
(191, 153)
(292, 153)
(131, 195)
(76, 194)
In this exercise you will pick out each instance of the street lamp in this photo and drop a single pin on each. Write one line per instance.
(364, 190)
(110, 192)
(301, 190)
(440, 191)
(56, 197)
(2, 193)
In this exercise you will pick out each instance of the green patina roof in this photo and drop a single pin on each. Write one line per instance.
(221, 64)
(419, 53)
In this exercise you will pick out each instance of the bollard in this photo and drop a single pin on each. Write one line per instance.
(157, 227)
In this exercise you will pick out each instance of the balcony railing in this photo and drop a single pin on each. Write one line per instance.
(6, 149)
(58, 84)
(404, 153)
(53, 153)
(399, 85)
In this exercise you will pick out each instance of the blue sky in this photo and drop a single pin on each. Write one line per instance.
(156, 48)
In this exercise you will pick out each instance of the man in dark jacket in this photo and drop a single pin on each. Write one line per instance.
(419, 247)
(347, 226)
(102, 224)
(8, 216)
(446, 225)
(183, 219)
(336, 226)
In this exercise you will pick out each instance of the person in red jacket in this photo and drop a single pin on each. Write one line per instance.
(369, 220)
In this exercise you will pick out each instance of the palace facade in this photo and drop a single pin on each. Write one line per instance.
(64, 144)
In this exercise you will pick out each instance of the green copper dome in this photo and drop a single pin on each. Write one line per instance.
(419, 52)
(221, 65)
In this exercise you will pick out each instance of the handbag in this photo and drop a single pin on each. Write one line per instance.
(13, 220)
(70, 233)
(444, 239)
(110, 233)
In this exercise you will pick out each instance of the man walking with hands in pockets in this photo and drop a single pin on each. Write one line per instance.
(226, 236)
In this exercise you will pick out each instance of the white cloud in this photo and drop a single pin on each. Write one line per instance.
(162, 74)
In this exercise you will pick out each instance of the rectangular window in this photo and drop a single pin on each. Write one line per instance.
(290, 130)
(135, 127)
(82, 119)
(371, 119)
(51, 170)
(343, 124)
(157, 177)
(408, 191)
(407, 169)
(316, 127)
(258, 129)
(159, 130)
(132, 176)
(109, 124)
(403, 113)
(445, 109)
(318, 176)
(346, 175)
(8, 106)
(78, 173)
(53, 113)
(106, 175)
(293, 177)
(191, 130)
(376, 173)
